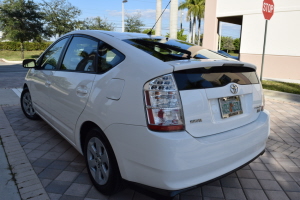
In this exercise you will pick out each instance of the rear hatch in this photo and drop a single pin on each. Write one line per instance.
(217, 96)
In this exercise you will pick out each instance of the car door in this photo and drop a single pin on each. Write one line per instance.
(41, 77)
(72, 83)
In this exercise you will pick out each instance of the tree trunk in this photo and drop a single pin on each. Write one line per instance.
(22, 50)
(199, 30)
(194, 29)
(190, 31)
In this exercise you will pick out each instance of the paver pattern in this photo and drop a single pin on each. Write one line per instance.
(63, 174)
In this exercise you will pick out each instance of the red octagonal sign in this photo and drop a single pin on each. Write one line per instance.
(268, 9)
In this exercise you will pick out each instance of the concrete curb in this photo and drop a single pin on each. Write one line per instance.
(28, 183)
(283, 96)
(12, 62)
(282, 80)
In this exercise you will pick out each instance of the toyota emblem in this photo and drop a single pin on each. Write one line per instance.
(234, 88)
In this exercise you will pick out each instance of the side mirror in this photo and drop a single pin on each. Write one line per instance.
(29, 63)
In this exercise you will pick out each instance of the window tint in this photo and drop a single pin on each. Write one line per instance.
(108, 57)
(159, 49)
(81, 55)
(201, 78)
(169, 49)
(51, 57)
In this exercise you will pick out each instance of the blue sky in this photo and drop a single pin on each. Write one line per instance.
(112, 11)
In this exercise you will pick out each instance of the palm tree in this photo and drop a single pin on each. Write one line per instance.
(195, 11)
(200, 16)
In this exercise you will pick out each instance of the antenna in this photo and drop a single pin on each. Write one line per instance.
(158, 19)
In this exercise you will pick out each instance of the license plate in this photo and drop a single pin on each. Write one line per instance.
(230, 106)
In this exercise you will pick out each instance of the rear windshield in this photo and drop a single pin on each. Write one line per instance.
(211, 77)
(169, 49)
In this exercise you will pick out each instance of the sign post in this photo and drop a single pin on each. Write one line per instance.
(268, 11)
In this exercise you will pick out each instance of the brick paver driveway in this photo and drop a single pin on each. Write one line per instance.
(62, 172)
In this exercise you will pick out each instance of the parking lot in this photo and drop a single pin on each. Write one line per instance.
(46, 166)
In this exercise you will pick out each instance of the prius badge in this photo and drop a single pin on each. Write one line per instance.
(234, 88)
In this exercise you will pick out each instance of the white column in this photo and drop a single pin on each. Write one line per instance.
(220, 35)
(210, 36)
(173, 19)
(158, 13)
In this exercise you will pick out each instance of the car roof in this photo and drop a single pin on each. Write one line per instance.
(119, 35)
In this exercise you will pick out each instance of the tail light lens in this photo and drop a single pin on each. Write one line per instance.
(163, 105)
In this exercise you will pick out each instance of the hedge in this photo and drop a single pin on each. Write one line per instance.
(28, 46)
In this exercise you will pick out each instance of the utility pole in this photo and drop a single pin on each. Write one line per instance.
(123, 25)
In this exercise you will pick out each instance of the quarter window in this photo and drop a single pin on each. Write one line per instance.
(108, 57)
(81, 55)
(51, 57)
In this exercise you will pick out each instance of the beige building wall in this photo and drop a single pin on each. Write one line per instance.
(210, 34)
(282, 59)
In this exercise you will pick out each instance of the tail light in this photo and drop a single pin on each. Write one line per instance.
(163, 105)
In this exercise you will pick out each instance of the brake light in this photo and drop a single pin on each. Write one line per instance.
(163, 105)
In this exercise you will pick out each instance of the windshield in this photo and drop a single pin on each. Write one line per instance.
(169, 49)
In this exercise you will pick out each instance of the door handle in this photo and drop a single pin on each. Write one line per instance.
(81, 91)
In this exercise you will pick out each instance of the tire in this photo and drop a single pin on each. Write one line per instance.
(101, 162)
(27, 107)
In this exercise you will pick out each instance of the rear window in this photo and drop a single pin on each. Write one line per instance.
(170, 50)
(211, 77)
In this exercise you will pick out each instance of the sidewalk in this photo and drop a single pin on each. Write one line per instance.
(17, 175)
(11, 62)
(282, 96)
(8, 189)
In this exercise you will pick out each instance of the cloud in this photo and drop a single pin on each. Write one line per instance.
(148, 16)
(145, 13)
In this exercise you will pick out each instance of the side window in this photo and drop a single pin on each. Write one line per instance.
(81, 55)
(108, 57)
(51, 57)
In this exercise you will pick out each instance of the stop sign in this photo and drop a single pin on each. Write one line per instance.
(268, 9)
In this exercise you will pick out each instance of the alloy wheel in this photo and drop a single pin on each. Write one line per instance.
(27, 104)
(98, 162)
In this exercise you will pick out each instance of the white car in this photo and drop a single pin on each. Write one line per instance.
(147, 109)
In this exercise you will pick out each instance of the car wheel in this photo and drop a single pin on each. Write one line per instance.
(101, 162)
(27, 107)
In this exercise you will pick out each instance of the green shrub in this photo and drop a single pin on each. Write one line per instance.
(13, 46)
(28, 46)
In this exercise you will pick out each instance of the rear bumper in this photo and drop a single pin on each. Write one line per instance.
(176, 160)
(162, 194)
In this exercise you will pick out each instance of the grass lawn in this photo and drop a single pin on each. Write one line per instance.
(282, 87)
(234, 54)
(16, 55)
